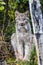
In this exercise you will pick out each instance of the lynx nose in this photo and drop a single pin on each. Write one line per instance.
(22, 24)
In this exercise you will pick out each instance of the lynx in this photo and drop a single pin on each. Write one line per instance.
(21, 40)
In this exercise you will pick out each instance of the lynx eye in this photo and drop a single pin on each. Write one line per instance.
(26, 21)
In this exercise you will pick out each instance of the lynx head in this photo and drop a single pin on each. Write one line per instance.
(21, 18)
(22, 21)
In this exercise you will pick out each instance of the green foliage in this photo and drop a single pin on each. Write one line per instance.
(18, 1)
(12, 5)
(2, 3)
(22, 5)
(41, 1)
(22, 63)
(33, 57)
(24, 1)
(10, 61)
(9, 31)
(2, 6)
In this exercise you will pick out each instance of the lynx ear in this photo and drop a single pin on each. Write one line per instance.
(27, 13)
(16, 13)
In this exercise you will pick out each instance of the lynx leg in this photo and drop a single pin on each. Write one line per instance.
(27, 52)
(20, 49)
(27, 49)
(14, 44)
